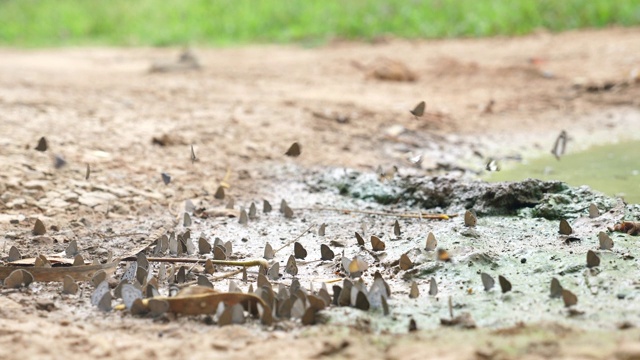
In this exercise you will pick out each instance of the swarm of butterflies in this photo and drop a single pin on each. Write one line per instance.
(191, 292)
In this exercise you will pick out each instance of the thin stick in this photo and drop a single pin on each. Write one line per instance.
(296, 239)
(420, 215)
(227, 275)
(119, 235)
(243, 263)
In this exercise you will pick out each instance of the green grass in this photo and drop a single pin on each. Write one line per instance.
(224, 22)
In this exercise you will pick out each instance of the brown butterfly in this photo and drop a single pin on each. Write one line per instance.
(418, 111)
(294, 150)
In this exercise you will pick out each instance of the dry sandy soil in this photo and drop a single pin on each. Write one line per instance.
(241, 112)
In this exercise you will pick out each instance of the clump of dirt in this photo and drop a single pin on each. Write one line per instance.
(547, 199)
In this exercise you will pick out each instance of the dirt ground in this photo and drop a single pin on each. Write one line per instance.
(241, 111)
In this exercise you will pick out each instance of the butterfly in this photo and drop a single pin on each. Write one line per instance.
(418, 111)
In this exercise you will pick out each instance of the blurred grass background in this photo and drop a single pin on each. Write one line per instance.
(32, 23)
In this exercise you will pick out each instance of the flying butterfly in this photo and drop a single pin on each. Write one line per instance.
(492, 165)
(443, 255)
(294, 150)
(560, 145)
(166, 178)
(418, 110)
(356, 267)
(59, 162)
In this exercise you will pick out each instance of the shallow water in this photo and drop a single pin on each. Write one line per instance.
(613, 169)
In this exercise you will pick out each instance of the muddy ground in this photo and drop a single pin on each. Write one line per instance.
(244, 108)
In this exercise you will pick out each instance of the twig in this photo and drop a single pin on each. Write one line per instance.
(294, 240)
(419, 215)
(119, 235)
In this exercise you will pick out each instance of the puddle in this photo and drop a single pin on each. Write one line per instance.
(613, 169)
